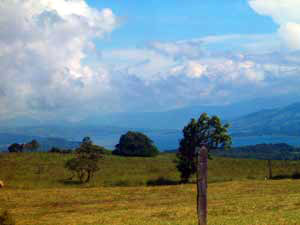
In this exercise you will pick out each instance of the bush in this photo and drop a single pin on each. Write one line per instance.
(6, 219)
(135, 144)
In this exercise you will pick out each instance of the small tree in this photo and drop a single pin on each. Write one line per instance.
(206, 130)
(135, 144)
(32, 146)
(86, 162)
(83, 168)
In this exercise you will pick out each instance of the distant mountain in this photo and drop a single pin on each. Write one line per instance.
(257, 117)
(178, 118)
(172, 119)
(279, 121)
(46, 143)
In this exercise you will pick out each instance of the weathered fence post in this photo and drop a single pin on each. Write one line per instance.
(270, 169)
(202, 156)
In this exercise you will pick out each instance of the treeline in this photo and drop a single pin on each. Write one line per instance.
(280, 151)
(130, 144)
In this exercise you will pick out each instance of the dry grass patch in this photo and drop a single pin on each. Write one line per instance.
(237, 202)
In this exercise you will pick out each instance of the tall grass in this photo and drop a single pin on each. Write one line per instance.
(46, 170)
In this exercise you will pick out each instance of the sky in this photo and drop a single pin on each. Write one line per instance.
(69, 59)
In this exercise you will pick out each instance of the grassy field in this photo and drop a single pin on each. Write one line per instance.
(127, 191)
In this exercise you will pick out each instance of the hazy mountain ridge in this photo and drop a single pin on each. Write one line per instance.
(178, 118)
(279, 121)
(164, 128)
(171, 119)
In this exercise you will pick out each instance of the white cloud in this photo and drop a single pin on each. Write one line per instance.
(169, 72)
(286, 14)
(42, 46)
(282, 11)
(49, 68)
(290, 34)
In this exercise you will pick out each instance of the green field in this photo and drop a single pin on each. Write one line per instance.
(130, 191)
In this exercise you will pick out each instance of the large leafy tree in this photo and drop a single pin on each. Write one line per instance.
(207, 131)
(85, 164)
(135, 144)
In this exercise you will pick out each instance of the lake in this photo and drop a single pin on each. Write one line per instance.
(170, 140)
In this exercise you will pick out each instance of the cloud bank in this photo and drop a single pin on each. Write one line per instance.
(42, 47)
(50, 67)
(286, 14)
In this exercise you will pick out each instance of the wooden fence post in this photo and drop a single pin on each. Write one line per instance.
(202, 156)
(270, 169)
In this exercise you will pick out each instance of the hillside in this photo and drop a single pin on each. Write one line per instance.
(46, 170)
(279, 121)
(129, 191)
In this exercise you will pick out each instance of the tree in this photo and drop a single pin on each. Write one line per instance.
(32, 146)
(82, 167)
(207, 131)
(135, 144)
(85, 164)
(16, 147)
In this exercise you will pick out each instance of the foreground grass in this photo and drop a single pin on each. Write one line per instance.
(235, 202)
(127, 191)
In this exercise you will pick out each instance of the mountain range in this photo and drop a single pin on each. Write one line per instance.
(252, 122)
(278, 121)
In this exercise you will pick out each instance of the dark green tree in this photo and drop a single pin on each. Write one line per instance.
(85, 164)
(207, 131)
(16, 147)
(135, 144)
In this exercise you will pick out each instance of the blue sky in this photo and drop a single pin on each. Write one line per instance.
(69, 59)
(171, 20)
